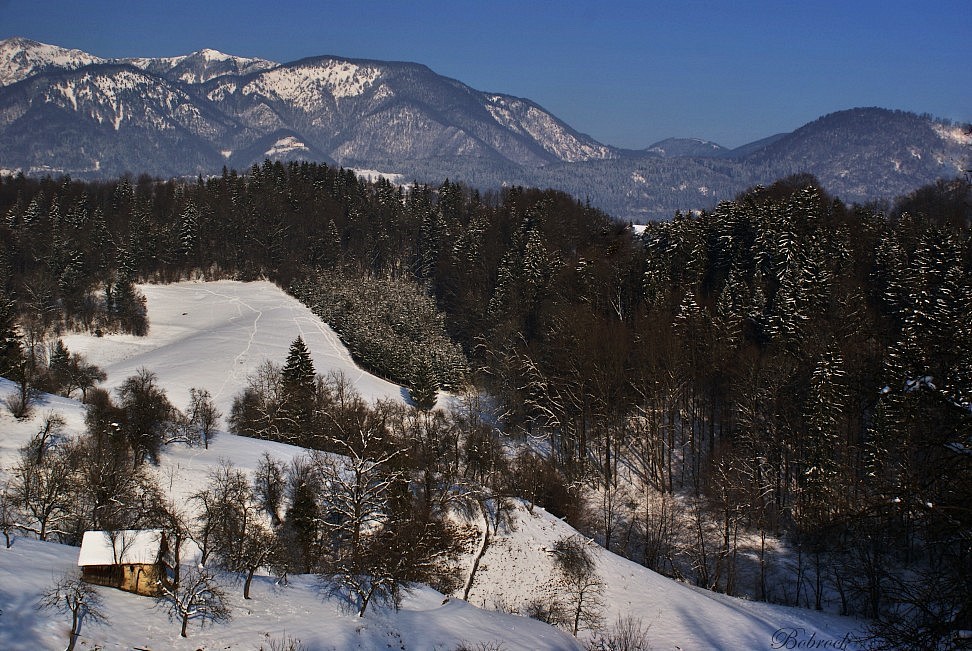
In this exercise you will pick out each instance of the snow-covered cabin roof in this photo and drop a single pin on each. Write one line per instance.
(128, 546)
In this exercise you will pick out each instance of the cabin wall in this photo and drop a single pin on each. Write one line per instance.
(139, 578)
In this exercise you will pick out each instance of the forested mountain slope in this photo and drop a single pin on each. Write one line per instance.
(67, 112)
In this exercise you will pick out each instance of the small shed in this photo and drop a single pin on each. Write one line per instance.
(130, 560)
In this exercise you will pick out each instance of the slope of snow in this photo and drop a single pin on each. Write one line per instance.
(373, 175)
(21, 57)
(285, 145)
(518, 567)
(213, 335)
(523, 117)
(201, 66)
(128, 96)
(954, 133)
(306, 85)
(146, 63)
(298, 610)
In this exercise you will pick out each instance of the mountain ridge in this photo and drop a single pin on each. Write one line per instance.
(191, 114)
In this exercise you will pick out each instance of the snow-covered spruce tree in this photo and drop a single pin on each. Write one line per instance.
(432, 235)
(425, 383)
(9, 340)
(188, 230)
(822, 483)
(935, 333)
(127, 310)
(58, 360)
(523, 278)
(298, 379)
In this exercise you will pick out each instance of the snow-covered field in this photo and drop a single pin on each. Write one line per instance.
(296, 610)
(211, 336)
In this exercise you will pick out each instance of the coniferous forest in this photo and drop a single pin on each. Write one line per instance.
(771, 399)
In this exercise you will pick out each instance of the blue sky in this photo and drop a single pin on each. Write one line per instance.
(627, 73)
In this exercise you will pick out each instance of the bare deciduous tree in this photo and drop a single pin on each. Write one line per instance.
(42, 491)
(198, 596)
(202, 417)
(8, 512)
(70, 594)
(585, 588)
(269, 486)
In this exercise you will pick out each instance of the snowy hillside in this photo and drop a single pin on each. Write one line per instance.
(518, 567)
(234, 327)
(296, 611)
(212, 335)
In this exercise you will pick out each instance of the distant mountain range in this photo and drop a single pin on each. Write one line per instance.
(65, 111)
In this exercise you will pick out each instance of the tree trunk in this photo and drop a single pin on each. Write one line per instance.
(246, 584)
(365, 598)
(75, 630)
(185, 623)
(479, 556)
(762, 563)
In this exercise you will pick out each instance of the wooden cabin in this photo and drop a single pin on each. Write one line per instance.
(130, 560)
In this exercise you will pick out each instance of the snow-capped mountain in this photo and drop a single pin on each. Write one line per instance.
(66, 111)
(200, 66)
(215, 107)
(21, 57)
(375, 112)
(108, 118)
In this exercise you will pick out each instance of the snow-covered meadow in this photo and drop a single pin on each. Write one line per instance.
(211, 336)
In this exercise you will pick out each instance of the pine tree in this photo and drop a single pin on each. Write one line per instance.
(189, 229)
(58, 367)
(9, 341)
(299, 380)
(424, 385)
(298, 372)
(822, 444)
